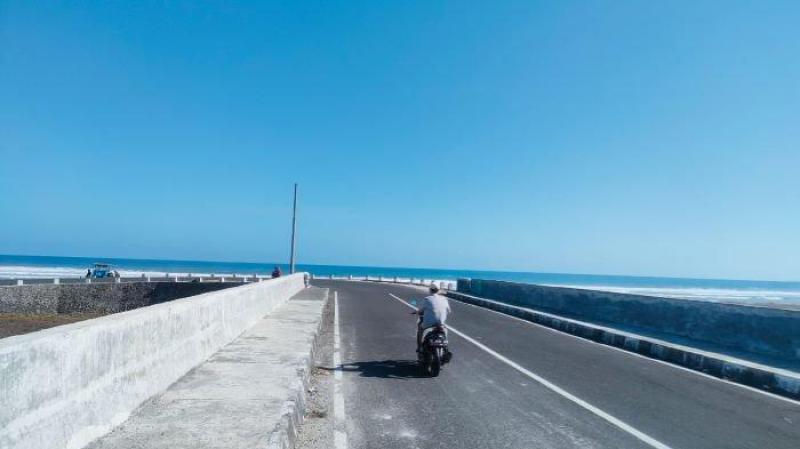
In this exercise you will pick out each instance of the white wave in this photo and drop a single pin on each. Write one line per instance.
(24, 272)
(702, 294)
(27, 272)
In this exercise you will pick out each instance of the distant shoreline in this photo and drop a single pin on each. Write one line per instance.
(730, 291)
(454, 273)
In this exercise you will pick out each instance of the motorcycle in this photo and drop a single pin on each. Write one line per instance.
(434, 352)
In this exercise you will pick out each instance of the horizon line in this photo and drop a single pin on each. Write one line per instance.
(413, 268)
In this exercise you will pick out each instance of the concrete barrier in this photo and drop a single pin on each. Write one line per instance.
(66, 386)
(774, 380)
(762, 331)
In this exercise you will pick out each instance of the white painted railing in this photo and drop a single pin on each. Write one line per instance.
(166, 277)
(443, 284)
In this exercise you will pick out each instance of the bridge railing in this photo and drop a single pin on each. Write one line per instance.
(166, 277)
(443, 284)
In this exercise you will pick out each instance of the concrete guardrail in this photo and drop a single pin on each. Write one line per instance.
(764, 331)
(775, 380)
(446, 285)
(66, 386)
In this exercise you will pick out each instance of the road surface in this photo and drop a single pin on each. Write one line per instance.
(514, 384)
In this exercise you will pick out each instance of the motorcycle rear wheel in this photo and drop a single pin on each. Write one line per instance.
(436, 362)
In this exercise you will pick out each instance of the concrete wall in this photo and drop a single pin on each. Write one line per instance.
(760, 330)
(97, 297)
(65, 386)
(774, 380)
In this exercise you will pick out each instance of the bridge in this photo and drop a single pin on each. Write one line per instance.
(273, 364)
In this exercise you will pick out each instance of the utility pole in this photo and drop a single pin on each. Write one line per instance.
(294, 229)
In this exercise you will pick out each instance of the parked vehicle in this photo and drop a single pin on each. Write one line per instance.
(101, 270)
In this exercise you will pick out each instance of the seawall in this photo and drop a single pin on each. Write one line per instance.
(98, 297)
(66, 386)
(759, 330)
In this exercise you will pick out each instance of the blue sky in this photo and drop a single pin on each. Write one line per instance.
(644, 138)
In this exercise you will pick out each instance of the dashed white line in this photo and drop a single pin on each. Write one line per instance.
(641, 436)
(339, 417)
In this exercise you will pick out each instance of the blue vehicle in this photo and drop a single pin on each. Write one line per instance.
(101, 270)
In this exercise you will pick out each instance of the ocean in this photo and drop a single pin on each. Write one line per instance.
(775, 293)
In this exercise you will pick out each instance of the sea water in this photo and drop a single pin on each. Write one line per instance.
(720, 290)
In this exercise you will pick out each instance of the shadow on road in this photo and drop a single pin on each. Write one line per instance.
(387, 369)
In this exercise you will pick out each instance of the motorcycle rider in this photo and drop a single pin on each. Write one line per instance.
(432, 311)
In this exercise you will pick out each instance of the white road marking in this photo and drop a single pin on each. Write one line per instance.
(643, 437)
(339, 416)
(634, 354)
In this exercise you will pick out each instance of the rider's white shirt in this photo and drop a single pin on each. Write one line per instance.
(435, 309)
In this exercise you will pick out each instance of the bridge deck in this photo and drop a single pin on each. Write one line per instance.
(236, 399)
(480, 400)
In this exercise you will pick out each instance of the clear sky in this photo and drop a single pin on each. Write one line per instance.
(615, 137)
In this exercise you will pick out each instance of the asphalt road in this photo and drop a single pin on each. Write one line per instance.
(531, 387)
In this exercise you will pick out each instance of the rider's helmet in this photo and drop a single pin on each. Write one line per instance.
(434, 289)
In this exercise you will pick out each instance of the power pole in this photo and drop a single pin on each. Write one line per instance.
(294, 229)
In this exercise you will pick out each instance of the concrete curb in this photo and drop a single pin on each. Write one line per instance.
(284, 435)
(774, 380)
